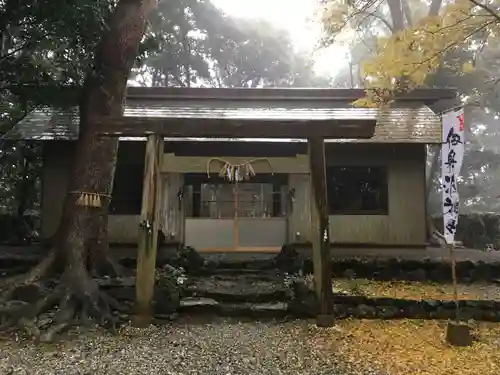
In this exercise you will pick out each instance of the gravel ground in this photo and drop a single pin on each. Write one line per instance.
(222, 347)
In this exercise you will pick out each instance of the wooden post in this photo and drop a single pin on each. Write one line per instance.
(451, 249)
(320, 234)
(457, 333)
(148, 235)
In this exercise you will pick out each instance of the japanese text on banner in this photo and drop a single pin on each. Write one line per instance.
(452, 154)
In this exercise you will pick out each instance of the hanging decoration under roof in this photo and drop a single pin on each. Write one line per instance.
(237, 172)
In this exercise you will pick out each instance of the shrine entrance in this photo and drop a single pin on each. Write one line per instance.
(242, 113)
(229, 214)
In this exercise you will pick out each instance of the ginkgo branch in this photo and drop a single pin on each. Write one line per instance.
(451, 45)
(349, 17)
(374, 14)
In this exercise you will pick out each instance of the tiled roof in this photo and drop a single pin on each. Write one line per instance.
(406, 122)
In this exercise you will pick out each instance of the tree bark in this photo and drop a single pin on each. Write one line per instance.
(83, 230)
(407, 12)
(320, 228)
(95, 158)
(435, 7)
(397, 15)
(23, 191)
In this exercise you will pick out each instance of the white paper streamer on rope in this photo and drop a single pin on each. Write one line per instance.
(452, 154)
(237, 172)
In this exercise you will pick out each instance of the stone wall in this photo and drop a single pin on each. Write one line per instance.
(361, 307)
(476, 231)
(411, 270)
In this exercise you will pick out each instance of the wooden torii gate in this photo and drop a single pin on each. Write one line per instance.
(155, 129)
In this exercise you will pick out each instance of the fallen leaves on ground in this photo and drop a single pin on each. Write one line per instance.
(411, 347)
(416, 290)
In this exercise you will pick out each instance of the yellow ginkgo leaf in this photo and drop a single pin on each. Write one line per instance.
(364, 103)
(467, 67)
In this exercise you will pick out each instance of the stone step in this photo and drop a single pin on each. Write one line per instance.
(238, 274)
(266, 297)
(249, 310)
(251, 288)
(245, 288)
(208, 271)
(243, 264)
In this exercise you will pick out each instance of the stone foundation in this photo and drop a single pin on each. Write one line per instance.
(410, 270)
(388, 308)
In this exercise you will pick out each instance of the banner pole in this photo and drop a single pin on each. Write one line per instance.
(451, 248)
(452, 153)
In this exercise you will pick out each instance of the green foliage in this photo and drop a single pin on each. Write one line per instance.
(200, 46)
(47, 46)
(19, 167)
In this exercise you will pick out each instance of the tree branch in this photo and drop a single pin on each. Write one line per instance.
(451, 45)
(486, 9)
(28, 46)
(177, 79)
(363, 10)
(376, 15)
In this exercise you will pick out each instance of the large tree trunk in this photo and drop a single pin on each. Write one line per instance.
(82, 234)
(103, 94)
(435, 7)
(397, 15)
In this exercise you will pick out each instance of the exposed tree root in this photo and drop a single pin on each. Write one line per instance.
(42, 270)
(100, 262)
(39, 271)
(76, 300)
(109, 267)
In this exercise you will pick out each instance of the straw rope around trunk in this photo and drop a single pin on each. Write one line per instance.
(88, 199)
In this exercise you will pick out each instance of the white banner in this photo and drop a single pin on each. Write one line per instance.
(452, 154)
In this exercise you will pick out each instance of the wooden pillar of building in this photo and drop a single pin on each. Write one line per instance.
(148, 235)
(320, 231)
